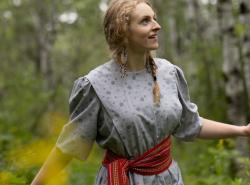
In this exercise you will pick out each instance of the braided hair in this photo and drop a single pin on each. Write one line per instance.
(152, 67)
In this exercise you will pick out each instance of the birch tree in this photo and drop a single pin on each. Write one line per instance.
(44, 23)
(232, 72)
(244, 10)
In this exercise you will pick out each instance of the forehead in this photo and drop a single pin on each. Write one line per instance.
(141, 10)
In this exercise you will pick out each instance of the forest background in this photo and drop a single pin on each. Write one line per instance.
(47, 44)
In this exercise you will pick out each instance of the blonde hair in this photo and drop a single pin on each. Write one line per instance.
(115, 23)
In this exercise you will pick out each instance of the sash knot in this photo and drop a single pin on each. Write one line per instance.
(152, 162)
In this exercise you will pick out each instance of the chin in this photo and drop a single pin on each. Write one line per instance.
(153, 47)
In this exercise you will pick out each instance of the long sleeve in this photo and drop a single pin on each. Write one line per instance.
(78, 135)
(190, 121)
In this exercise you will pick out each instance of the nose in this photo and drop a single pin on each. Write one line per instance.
(156, 26)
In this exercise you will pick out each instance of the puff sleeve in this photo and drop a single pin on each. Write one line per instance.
(78, 135)
(190, 121)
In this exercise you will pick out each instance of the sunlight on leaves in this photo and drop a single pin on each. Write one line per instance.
(7, 178)
(220, 144)
(30, 155)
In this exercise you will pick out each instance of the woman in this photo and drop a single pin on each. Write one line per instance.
(131, 106)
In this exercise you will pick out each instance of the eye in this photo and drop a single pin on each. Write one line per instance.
(145, 21)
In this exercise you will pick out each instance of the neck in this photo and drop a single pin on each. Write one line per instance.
(136, 61)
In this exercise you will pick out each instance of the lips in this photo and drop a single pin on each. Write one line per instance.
(153, 36)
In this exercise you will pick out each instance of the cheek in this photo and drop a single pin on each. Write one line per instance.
(139, 34)
(143, 34)
(139, 38)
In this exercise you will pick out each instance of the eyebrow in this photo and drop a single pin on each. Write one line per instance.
(148, 16)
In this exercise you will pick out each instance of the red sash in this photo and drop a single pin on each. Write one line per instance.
(152, 162)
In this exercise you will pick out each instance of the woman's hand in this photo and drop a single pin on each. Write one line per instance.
(246, 130)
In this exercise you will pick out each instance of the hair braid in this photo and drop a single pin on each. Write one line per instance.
(156, 87)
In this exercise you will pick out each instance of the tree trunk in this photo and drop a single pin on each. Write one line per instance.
(232, 71)
(45, 31)
(44, 16)
(198, 30)
(245, 50)
(163, 15)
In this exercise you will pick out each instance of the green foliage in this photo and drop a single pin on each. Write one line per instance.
(210, 164)
(27, 108)
(240, 30)
(8, 178)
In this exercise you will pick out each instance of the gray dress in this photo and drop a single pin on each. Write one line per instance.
(119, 114)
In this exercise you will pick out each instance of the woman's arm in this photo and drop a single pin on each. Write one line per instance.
(55, 162)
(216, 130)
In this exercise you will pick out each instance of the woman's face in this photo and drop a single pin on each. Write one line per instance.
(143, 29)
